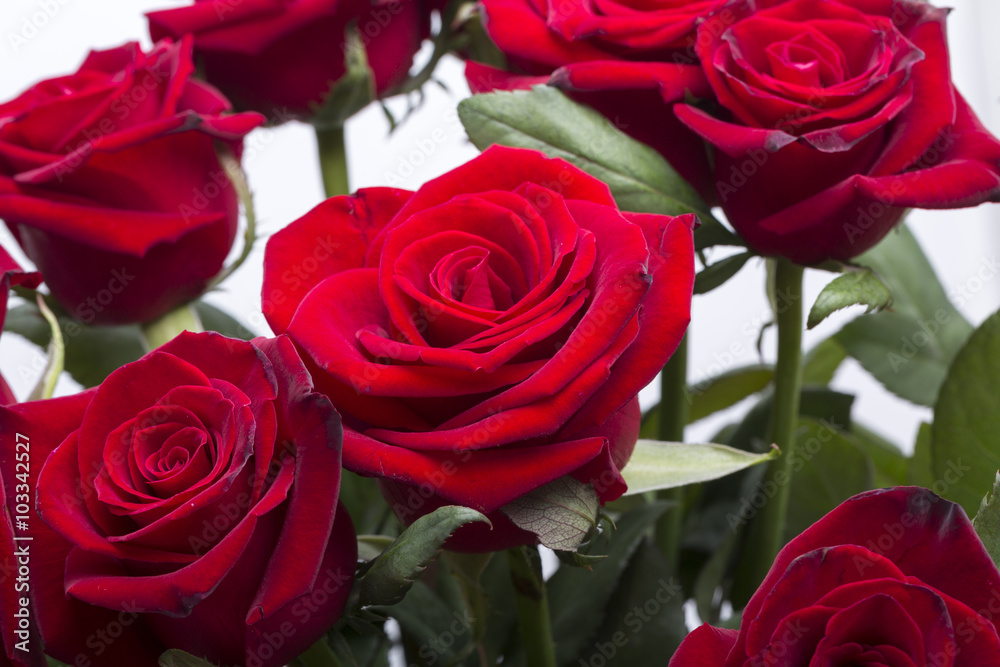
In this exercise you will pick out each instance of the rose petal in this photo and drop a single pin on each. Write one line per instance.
(331, 238)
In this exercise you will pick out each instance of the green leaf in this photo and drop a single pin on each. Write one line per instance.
(578, 599)
(712, 576)
(562, 513)
(820, 364)
(353, 91)
(919, 470)
(987, 522)
(577, 559)
(427, 621)
(900, 353)
(827, 469)
(909, 348)
(891, 464)
(965, 448)
(213, 319)
(547, 120)
(644, 621)
(716, 274)
(177, 658)
(366, 505)
(371, 547)
(816, 402)
(665, 465)
(860, 287)
(728, 389)
(392, 574)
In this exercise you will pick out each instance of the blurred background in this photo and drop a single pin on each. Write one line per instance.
(45, 38)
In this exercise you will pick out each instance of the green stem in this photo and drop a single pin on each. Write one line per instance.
(318, 655)
(532, 606)
(333, 160)
(674, 414)
(57, 355)
(769, 525)
(159, 331)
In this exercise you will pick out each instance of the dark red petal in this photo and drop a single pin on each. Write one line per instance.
(807, 579)
(663, 315)
(519, 31)
(238, 362)
(309, 422)
(484, 479)
(331, 238)
(317, 608)
(125, 231)
(734, 140)
(705, 645)
(10, 275)
(883, 620)
(502, 168)
(60, 506)
(934, 97)
(673, 81)
(100, 580)
(485, 79)
(538, 406)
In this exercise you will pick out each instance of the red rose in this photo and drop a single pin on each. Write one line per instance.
(110, 182)
(626, 60)
(190, 502)
(281, 57)
(486, 334)
(838, 115)
(891, 577)
(11, 274)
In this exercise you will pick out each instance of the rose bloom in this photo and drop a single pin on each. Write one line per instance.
(282, 57)
(189, 501)
(486, 334)
(110, 182)
(890, 577)
(834, 117)
(11, 274)
(629, 61)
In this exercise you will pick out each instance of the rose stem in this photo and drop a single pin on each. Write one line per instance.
(318, 655)
(163, 329)
(767, 530)
(674, 413)
(532, 606)
(333, 160)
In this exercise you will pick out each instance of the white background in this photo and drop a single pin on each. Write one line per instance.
(283, 173)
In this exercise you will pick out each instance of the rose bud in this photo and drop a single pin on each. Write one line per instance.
(110, 182)
(282, 57)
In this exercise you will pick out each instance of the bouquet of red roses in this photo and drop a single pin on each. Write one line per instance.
(455, 423)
